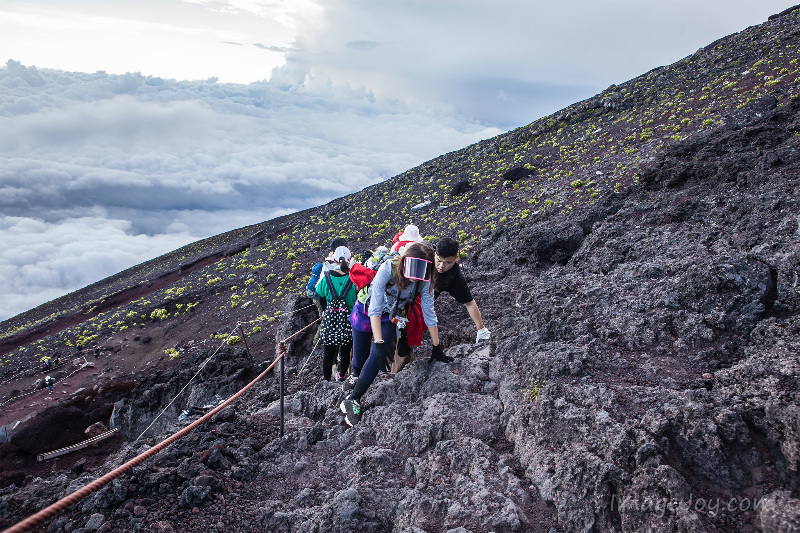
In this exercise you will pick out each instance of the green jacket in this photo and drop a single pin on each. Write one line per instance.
(339, 280)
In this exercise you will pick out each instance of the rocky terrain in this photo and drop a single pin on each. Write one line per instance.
(636, 256)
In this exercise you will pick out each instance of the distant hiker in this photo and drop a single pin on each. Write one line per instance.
(451, 279)
(316, 272)
(96, 352)
(78, 348)
(336, 333)
(48, 382)
(392, 291)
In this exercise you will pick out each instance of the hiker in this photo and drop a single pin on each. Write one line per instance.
(336, 333)
(393, 289)
(48, 382)
(451, 279)
(316, 272)
(46, 364)
(96, 352)
(409, 235)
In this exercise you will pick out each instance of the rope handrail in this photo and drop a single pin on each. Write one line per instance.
(67, 501)
(35, 369)
(187, 384)
(62, 504)
(63, 451)
(204, 365)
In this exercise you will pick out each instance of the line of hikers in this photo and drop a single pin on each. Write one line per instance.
(380, 309)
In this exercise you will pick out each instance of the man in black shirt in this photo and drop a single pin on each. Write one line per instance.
(451, 279)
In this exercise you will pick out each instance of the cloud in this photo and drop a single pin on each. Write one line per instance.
(542, 54)
(99, 171)
(40, 260)
(281, 49)
(362, 45)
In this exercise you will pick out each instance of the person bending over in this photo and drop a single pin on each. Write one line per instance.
(451, 279)
(391, 293)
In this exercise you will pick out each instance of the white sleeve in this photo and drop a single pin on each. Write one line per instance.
(377, 289)
(428, 312)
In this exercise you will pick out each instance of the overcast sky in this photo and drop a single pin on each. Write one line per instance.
(108, 159)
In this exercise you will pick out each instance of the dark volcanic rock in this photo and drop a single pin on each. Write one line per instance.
(54, 429)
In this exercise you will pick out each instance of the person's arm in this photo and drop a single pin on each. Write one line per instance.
(429, 314)
(377, 291)
(474, 314)
(377, 332)
(434, 331)
(428, 311)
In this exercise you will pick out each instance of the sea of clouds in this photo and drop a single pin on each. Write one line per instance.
(99, 172)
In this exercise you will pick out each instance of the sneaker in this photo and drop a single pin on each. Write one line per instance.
(351, 410)
(340, 377)
(350, 383)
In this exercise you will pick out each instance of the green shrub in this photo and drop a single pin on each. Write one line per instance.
(159, 314)
(535, 388)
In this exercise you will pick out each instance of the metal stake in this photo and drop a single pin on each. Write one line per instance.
(283, 356)
(247, 348)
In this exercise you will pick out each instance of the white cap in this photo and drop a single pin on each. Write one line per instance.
(411, 233)
(340, 252)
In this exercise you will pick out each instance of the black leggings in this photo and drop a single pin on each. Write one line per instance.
(332, 353)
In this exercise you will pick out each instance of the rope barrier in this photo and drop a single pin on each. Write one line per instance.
(187, 384)
(45, 514)
(35, 370)
(38, 367)
(206, 362)
(62, 504)
(309, 357)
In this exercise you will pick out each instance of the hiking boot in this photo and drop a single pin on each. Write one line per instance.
(340, 377)
(351, 410)
(349, 383)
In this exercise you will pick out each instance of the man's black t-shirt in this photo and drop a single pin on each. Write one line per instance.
(453, 282)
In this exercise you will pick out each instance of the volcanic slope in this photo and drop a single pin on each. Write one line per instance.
(639, 274)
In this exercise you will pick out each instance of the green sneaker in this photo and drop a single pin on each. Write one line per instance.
(351, 410)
